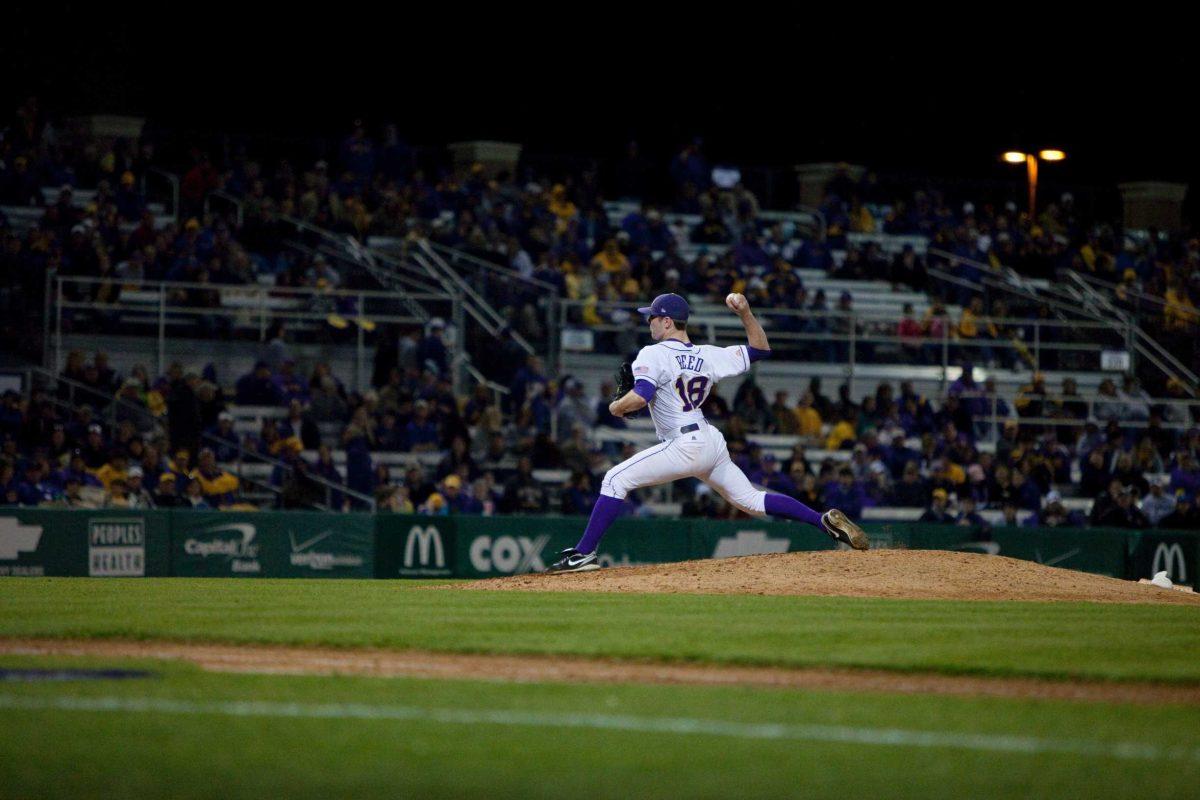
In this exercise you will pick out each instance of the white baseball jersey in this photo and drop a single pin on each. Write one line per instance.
(682, 375)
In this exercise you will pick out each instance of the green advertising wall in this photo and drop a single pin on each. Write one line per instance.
(475, 547)
(292, 544)
(301, 544)
(62, 542)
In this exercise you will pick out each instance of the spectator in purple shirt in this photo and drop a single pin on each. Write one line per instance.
(749, 253)
(290, 385)
(458, 501)
(771, 478)
(1186, 475)
(421, 434)
(257, 389)
(846, 494)
(222, 438)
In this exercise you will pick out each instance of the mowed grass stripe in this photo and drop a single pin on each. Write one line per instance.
(1051, 640)
(685, 726)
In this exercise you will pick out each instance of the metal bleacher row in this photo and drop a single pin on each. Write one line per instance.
(24, 218)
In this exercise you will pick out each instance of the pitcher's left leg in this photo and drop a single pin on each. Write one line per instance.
(729, 480)
(664, 462)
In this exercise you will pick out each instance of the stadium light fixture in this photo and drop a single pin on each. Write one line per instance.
(1031, 169)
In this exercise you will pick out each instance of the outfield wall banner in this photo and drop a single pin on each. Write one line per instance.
(1176, 553)
(484, 547)
(750, 537)
(284, 544)
(111, 543)
(1097, 550)
(409, 546)
(496, 546)
(488, 547)
(67, 542)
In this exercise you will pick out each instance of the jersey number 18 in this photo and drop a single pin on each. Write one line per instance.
(693, 394)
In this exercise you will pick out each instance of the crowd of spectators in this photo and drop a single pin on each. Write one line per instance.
(1153, 276)
(171, 441)
(175, 431)
(556, 232)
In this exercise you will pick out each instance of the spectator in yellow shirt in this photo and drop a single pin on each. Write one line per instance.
(1180, 313)
(117, 468)
(861, 220)
(561, 206)
(808, 418)
(611, 259)
(970, 326)
(842, 434)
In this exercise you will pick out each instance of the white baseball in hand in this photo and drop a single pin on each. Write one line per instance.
(737, 302)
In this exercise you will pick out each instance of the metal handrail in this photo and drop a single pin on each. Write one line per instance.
(242, 479)
(1110, 285)
(822, 226)
(236, 202)
(702, 309)
(479, 377)
(946, 277)
(507, 272)
(479, 308)
(405, 282)
(205, 311)
(1081, 302)
(113, 402)
(329, 485)
(359, 253)
(1166, 363)
(1068, 303)
(254, 311)
(251, 288)
(1145, 344)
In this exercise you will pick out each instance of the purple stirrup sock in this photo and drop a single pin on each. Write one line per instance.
(603, 513)
(780, 505)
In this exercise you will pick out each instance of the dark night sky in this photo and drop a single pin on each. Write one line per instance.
(761, 91)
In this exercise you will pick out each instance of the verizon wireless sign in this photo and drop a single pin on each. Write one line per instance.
(286, 545)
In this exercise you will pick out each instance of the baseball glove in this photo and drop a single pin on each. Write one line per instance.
(624, 378)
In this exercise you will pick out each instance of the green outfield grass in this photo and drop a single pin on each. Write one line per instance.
(1122, 642)
(189, 733)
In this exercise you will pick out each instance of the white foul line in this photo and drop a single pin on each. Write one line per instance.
(894, 737)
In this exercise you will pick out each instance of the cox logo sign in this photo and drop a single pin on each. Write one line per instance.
(508, 554)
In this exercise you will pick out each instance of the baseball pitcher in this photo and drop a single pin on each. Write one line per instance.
(673, 377)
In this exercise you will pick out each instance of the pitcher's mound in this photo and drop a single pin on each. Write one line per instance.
(913, 574)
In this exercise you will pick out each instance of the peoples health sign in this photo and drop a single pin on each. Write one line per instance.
(117, 547)
(99, 544)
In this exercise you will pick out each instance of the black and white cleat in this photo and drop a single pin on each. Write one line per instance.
(839, 526)
(574, 561)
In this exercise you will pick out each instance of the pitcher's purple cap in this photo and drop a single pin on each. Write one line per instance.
(667, 305)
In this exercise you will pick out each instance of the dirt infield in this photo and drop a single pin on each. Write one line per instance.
(908, 574)
(548, 669)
